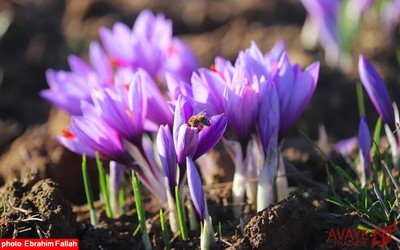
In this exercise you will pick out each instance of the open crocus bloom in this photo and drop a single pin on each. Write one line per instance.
(88, 134)
(69, 88)
(149, 45)
(295, 89)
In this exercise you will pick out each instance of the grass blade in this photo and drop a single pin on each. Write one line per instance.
(103, 186)
(140, 210)
(164, 230)
(88, 192)
(181, 214)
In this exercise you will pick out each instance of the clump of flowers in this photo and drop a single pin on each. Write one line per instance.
(114, 99)
(149, 46)
(242, 92)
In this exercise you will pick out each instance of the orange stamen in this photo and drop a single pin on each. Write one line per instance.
(129, 113)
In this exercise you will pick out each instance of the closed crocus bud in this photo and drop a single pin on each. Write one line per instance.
(377, 91)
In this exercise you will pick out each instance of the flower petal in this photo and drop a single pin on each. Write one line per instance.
(209, 136)
(166, 151)
(195, 188)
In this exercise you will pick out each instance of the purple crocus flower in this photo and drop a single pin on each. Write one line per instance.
(241, 100)
(68, 89)
(149, 45)
(208, 88)
(295, 89)
(123, 108)
(364, 139)
(324, 18)
(346, 146)
(377, 91)
(158, 112)
(88, 134)
(194, 141)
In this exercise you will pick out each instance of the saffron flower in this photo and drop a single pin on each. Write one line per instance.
(68, 89)
(377, 91)
(295, 89)
(187, 141)
(268, 124)
(191, 140)
(113, 126)
(364, 140)
(88, 134)
(149, 45)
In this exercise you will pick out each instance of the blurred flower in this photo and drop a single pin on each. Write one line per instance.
(346, 146)
(362, 5)
(390, 15)
(149, 45)
(116, 177)
(323, 24)
(377, 91)
(364, 139)
(67, 89)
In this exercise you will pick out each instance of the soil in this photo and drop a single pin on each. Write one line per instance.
(41, 181)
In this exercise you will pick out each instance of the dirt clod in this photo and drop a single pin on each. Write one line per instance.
(286, 225)
(35, 208)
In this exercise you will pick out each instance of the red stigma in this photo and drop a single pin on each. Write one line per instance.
(171, 49)
(126, 85)
(67, 134)
(213, 68)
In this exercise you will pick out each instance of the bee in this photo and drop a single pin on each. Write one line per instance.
(198, 121)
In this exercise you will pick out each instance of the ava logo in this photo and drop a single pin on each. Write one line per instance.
(383, 235)
(348, 237)
(353, 237)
